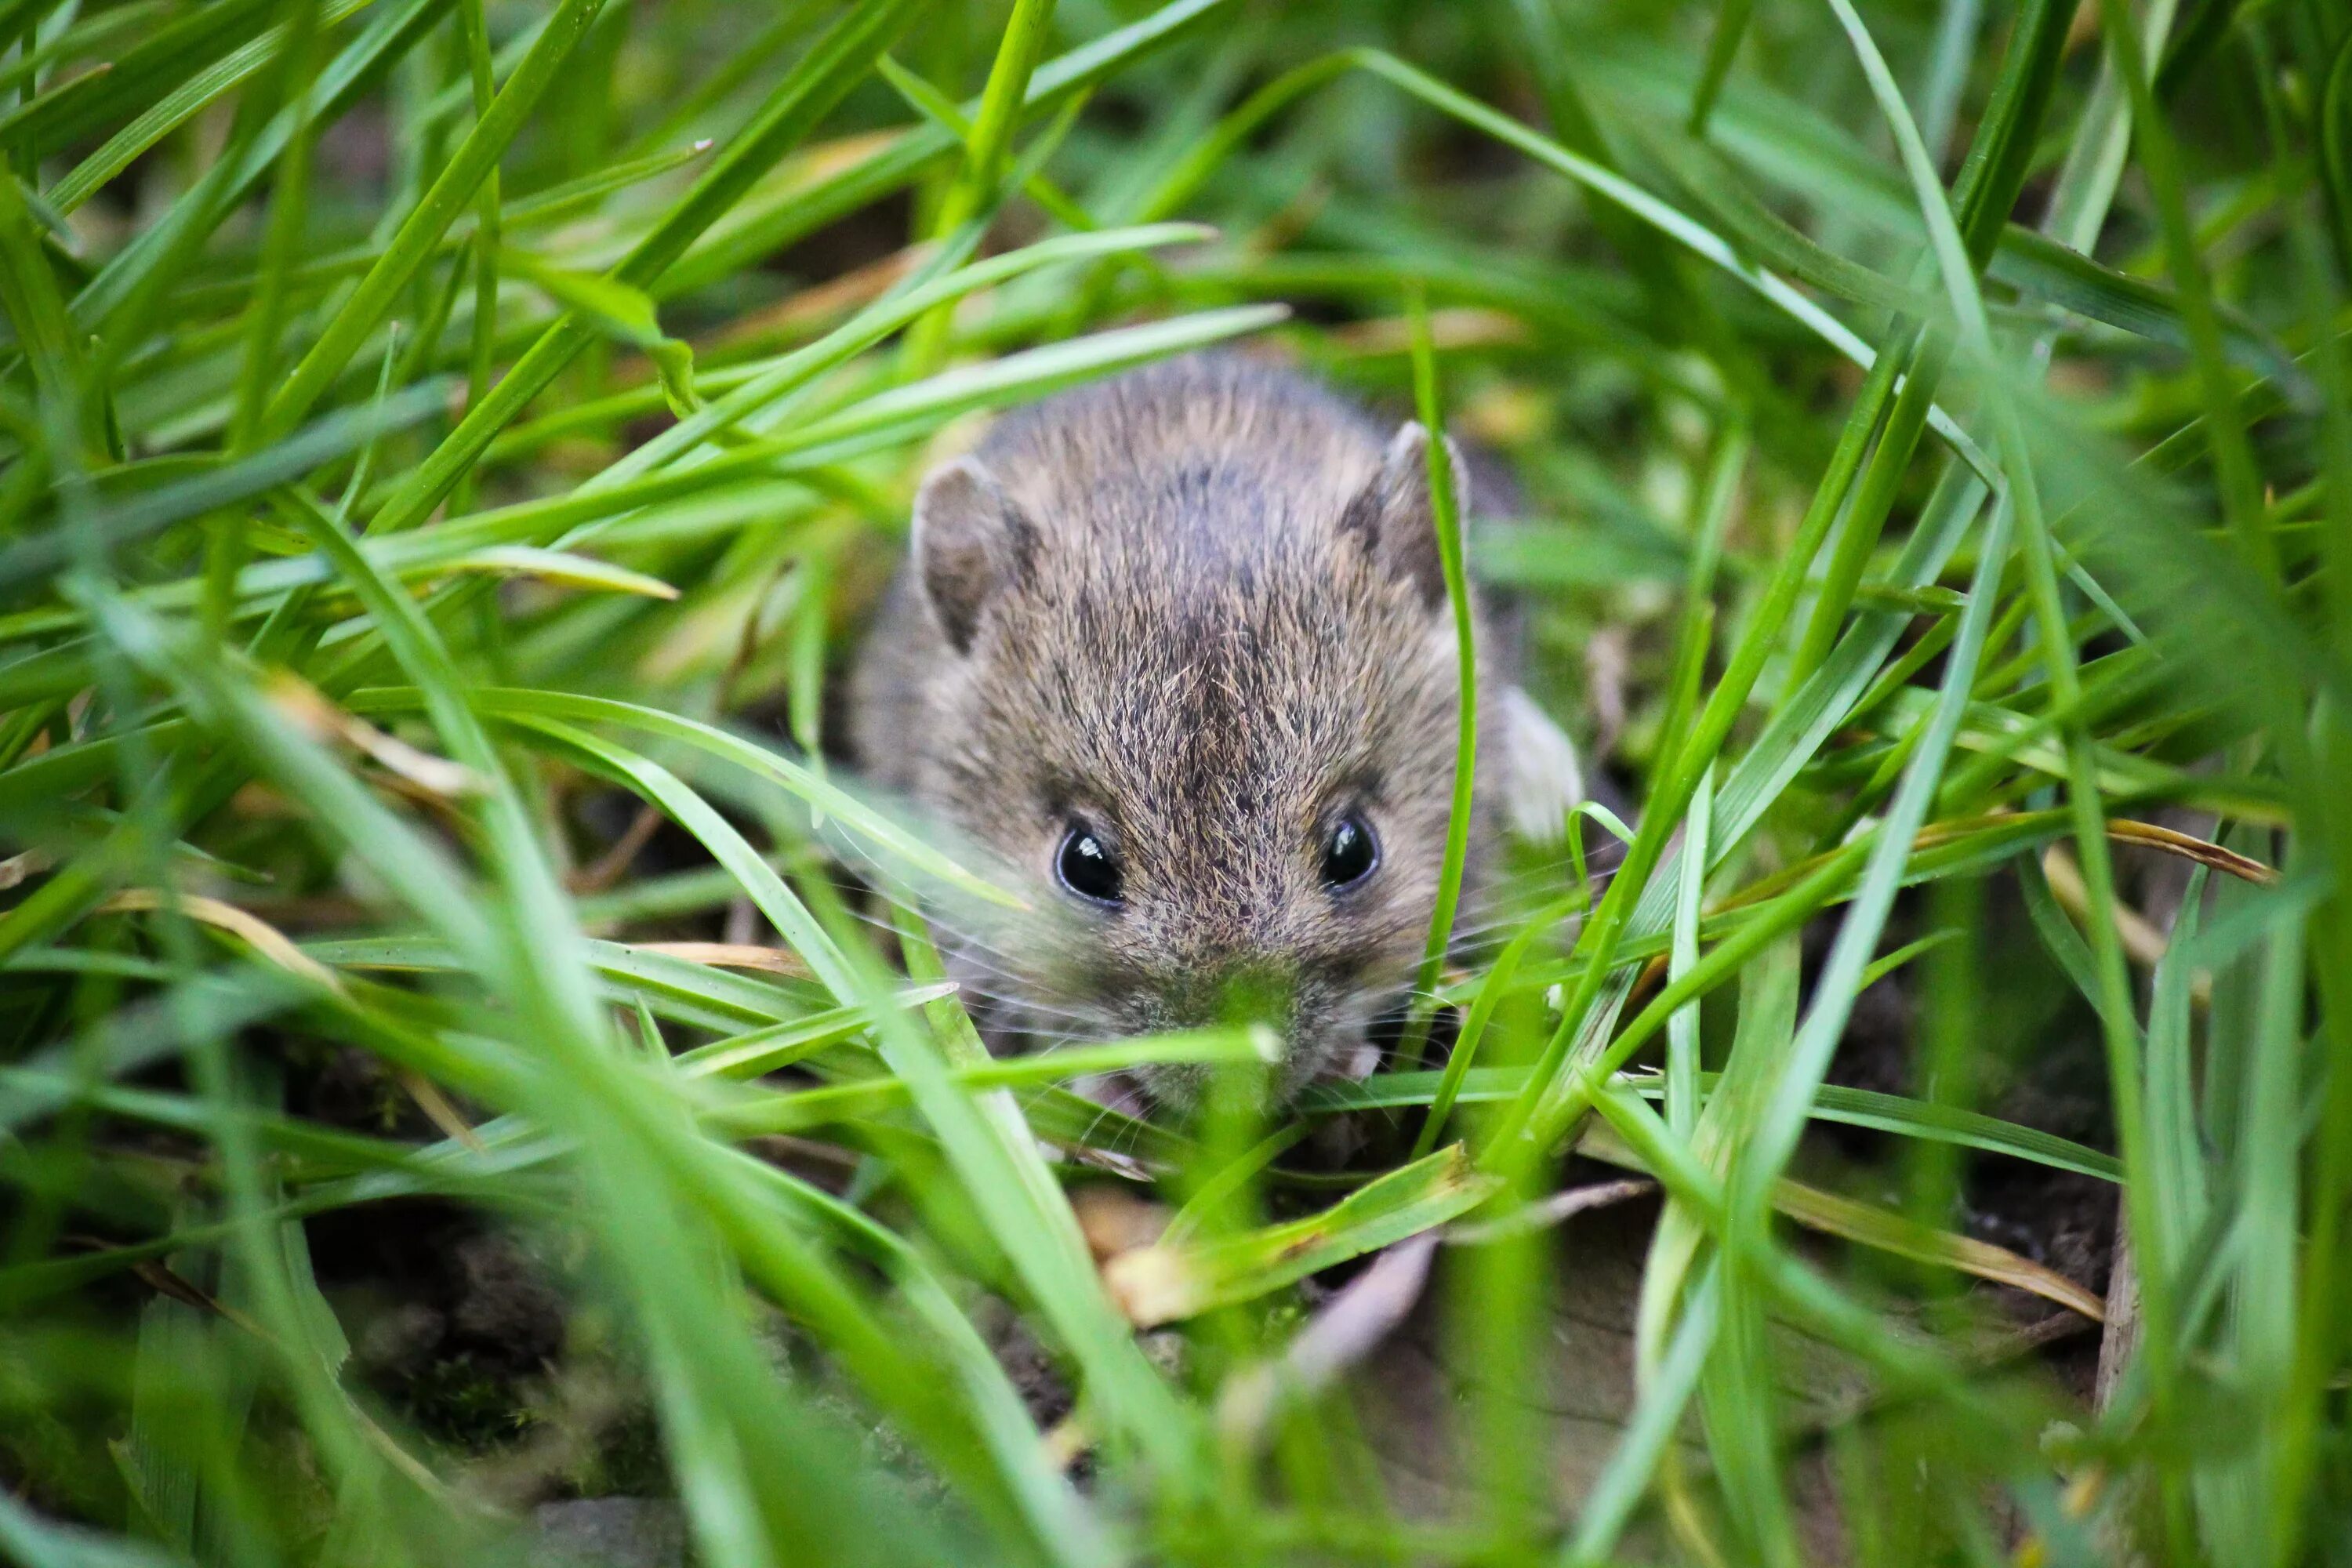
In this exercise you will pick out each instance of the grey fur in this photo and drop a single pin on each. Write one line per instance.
(1197, 607)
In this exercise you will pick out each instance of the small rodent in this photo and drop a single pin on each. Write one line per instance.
(1175, 651)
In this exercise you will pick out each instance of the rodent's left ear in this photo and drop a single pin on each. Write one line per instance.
(1393, 517)
(970, 542)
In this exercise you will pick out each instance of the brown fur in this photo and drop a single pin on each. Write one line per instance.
(1198, 606)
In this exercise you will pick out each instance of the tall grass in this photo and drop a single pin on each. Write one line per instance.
(451, 446)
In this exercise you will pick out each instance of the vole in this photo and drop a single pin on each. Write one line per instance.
(1175, 650)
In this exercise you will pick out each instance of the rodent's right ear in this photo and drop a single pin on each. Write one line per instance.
(1393, 518)
(970, 542)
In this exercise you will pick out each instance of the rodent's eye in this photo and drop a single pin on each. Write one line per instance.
(1086, 866)
(1350, 854)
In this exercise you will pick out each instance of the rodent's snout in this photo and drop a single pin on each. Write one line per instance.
(1320, 1032)
(1236, 993)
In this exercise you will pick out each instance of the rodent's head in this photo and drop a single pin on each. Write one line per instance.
(1200, 689)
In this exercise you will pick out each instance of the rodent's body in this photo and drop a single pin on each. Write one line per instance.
(1194, 614)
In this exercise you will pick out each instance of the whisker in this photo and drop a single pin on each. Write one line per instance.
(1126, 1102)
(973, 963)
(888, 924)
(1023, 1004)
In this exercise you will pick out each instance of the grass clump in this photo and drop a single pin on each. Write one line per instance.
(443, 1072)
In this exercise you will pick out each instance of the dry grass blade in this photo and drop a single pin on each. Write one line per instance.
(266, 940)
(1859, 1222)
(733, 955)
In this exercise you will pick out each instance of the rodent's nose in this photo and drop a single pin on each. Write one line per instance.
(1200, 994)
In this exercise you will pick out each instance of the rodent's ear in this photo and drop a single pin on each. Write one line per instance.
(1392, 515)
(970, 542)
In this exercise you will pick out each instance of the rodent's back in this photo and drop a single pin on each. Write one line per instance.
(1163, 476)
(1212, 452)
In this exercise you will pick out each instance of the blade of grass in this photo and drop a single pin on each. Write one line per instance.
(1445, 512)
(473, 161)
(987, 149)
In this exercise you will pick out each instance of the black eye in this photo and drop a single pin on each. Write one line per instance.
(1086, 866)
(1351, 853)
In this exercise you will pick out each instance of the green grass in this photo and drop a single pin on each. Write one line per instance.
(444, 440)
